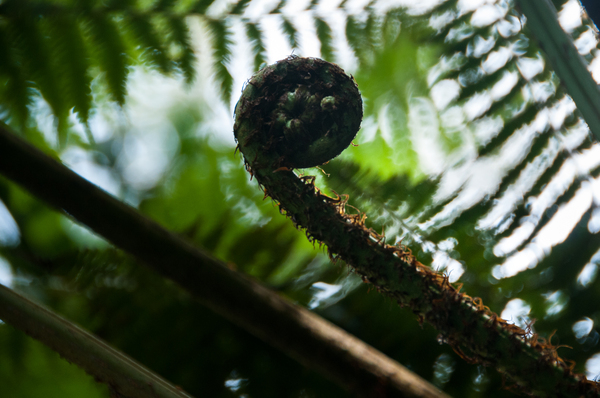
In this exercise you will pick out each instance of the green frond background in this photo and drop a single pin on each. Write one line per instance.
(291, 32)
(56, 48)
(258, 45)
(471, 153)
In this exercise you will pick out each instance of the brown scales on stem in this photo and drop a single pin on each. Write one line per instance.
(475, 333)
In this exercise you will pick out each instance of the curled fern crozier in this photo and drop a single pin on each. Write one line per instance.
(301, 111)
(270, 116)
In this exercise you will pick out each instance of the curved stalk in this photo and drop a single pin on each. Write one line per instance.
(476, 334)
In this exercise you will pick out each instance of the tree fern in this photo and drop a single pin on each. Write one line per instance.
(450, 52)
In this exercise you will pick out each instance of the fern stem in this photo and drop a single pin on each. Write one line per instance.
(475, 333)
(301, 334)
(122, 374)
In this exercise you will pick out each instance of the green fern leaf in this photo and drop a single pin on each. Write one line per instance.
(353, 35)
(222, 50)
(200, 6)
(362, 36)
(391, 27)
(324, 35)
(14, 91)
(291, 32)
(33, 50)
(69, 56)
(239, 7)
(110, 53)
(187, 59)
(122, 5)
(372, 29)
(145, 37)
(277, 10)
(164, 5)
(46, 45)
(258, 46)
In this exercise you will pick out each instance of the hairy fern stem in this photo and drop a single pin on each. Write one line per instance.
(264, 128)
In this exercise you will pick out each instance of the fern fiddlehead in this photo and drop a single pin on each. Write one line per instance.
(278, 127)
(306, 110)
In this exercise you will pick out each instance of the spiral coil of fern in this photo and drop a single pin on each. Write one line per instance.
(301, 111)
(276, 110)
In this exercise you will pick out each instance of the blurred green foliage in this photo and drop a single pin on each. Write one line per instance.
(427, 193)
(24, 371)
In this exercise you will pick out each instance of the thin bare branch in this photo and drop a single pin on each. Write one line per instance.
(122, 374)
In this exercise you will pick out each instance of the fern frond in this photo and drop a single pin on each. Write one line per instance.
(291, 32)
(146, 35)
(362, 36)
(112, 31)
(121, 5)
(239, 7)
(200, 6)
(33, 52)
(324, 35)
(110, 53)
(66, 41)
(14, 91)
(180, 37)
(390, 28)
(278, 8)
(258, 45)
(164, 5)
(353, 34)
(54, 46)
(222, 43)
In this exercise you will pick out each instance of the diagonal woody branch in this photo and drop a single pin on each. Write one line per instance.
(301, 334)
